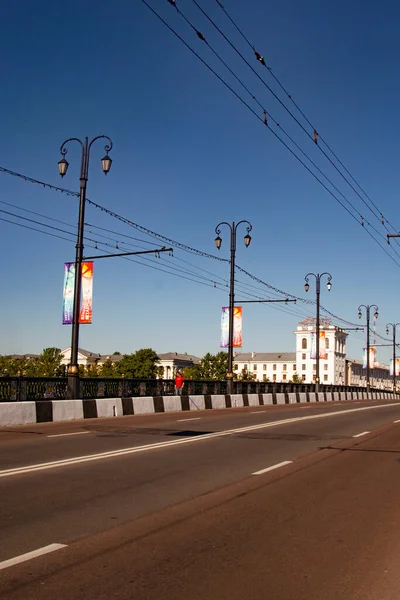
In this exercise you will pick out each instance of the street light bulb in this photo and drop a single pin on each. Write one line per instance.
(376, 315)
(247, 240)
(329, 286)
(106, 164)
(387, 331)
(63, 167)
(218, 242)
(359, 314)
(307, 286)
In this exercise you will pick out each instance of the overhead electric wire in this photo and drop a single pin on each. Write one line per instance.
(158, 236)
(34, 229)
(379, 217)
(268, 116)
(320, 137)
(300, 110)
(271, 130)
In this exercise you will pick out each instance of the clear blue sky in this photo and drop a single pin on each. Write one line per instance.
(187, 154)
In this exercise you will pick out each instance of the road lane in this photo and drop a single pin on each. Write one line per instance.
(64, 504)
(325, 527)
(31, 444)
(61, 505)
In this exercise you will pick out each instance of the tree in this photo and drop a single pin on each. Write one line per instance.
(212, 367)
(247, 376)
(142, 364)
(92, 371)
(108, 369)
(49, 363)
(296, 378)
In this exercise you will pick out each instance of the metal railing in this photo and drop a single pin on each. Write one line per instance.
(20, 389)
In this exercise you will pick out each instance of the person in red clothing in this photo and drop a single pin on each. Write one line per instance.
(179, 379)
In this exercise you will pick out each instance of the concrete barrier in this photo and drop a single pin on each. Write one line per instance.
(19, 413)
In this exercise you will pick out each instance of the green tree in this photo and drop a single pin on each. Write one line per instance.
(142, 364)
(108, 369)
(212, 367)
(49, 363)
(296, 378)
(92, 371)
(245, 375)
(160, 372)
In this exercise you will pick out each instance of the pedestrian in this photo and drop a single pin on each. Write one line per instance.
(179, 379)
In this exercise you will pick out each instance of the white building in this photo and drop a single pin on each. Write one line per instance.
(172, 362)
(332, 352)
(85, 357)
(266, 366)
(334, 367)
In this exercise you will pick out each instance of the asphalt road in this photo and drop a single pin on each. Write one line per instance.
(169, 505)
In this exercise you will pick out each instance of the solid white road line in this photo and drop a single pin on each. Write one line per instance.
(257, 412)
(398, 421)
(190, 440)
(277, 466)
(360, 434)
(29, 555)
(65, 434)
(192, 419)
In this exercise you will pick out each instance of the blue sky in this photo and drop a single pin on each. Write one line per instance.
(187, 154)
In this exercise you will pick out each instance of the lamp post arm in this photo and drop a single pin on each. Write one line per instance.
(107, 147)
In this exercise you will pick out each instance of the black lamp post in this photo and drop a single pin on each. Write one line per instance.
(218, 241)
(367, 312)
(318, 292)
(73, 368)
(393, 325)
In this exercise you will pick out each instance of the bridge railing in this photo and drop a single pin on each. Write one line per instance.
(20, 389)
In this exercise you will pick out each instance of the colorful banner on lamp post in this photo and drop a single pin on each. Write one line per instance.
(371, 358)
(322, 345)
(68, 297)
(397, 367)
(237, 327)
(85, 314)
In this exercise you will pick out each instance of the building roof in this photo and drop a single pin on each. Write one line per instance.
(112, 357)
(265, 357)
(181, 357)
(28, 356)
(83, 352)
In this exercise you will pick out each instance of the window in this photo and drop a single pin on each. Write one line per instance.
(274, 367)
(303, 367)
(304, 344)
(284, 367)
(235, 367)
(327, 343)
(325, 377)
(294, 367)
(325, 367)
(264, 378)
(264, 367)
(273, 377)
(303, 356)
(314, 377)
(254, 367)
(314, 367)
(284, 377)
(303, 377)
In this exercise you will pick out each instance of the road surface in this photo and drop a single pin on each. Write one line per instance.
(186, 505)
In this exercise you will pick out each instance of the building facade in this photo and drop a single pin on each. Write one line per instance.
(265, 366)
(334, 367)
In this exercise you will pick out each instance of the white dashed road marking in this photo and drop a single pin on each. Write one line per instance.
(277, 466)
(29, 555)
